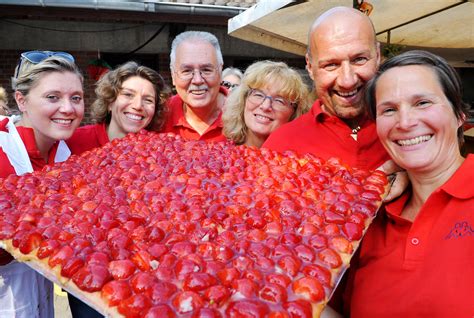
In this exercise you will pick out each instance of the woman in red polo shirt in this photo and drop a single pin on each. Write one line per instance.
(129, 98)
(271, 94)
(417, 259)
(49, 94)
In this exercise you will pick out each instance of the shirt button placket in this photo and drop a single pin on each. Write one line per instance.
(415, 241)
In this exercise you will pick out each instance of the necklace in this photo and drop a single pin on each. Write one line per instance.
(354, 132)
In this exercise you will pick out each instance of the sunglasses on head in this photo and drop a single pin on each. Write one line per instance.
(36, 57)
(228, 85)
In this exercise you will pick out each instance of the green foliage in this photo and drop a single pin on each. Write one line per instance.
(391, 50)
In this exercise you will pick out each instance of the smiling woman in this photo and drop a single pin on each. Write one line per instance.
(49, 95)
(271, 94)
(420, 242)
(129, 98)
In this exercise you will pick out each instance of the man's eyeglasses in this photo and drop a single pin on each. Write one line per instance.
(257, 97)
(36, 57)
(228, 85)
(187, 74)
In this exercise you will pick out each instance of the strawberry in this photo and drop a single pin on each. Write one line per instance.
(304, 253)
(71, 266)
(279, 279)
(246, 287)
(162, 291)
(60, 256)
(273, 293)
(142, 282)
(91, 278)
(198, 281)
(322, 274)
(308, 287)
(228, 275)
(30, 242)
(47, 248)
(160, 311)
(289, 264)
(142, 260)
(216, 295)
(134, 306)
(187, 301)
(352, 231)
(330, 258)
(247, 309)
(298, 308)
(115, 291)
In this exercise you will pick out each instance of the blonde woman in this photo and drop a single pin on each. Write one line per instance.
(270, 95)
(49, 94)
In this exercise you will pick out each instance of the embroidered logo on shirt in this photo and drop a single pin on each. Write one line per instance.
(460, 229)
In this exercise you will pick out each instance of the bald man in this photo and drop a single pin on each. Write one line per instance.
(343, 54)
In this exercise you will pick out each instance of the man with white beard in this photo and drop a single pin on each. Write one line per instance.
(196, 67)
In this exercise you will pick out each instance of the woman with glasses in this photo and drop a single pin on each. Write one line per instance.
(271, 94)
(49, 94)
(231, 78)
(129, 98)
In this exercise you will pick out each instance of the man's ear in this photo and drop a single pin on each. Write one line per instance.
(379, 55)
(172, 77)
(20, 101)
(309, 66)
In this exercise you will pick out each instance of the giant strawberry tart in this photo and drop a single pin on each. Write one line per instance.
(154, 226)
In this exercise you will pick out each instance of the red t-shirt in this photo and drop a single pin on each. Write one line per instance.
(424, 268)
(176, 122)
(328, 136)
(27, 135)
(87, 137)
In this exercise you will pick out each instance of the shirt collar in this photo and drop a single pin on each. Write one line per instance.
(458, 185)
(454, 187)
(321, 116)
(181, 120)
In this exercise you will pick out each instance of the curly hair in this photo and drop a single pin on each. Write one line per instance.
(257, 76)
(108, 88)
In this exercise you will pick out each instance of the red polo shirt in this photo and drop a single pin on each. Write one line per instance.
(424, 268)
(176, 122)
(87, 138)
(328, 136)
(27, 135)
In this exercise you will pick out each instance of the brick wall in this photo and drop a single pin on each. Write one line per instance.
(9, 59)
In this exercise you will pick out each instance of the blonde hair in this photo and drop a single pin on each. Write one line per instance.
(109, 86)
(257, 76)
(3, 95)
(4, 110)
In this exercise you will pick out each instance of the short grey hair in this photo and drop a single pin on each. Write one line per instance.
(197, 36)
(232, 71)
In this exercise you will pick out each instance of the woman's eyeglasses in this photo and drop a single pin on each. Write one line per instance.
(228, 85)
(36, 57)
(257, 97)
